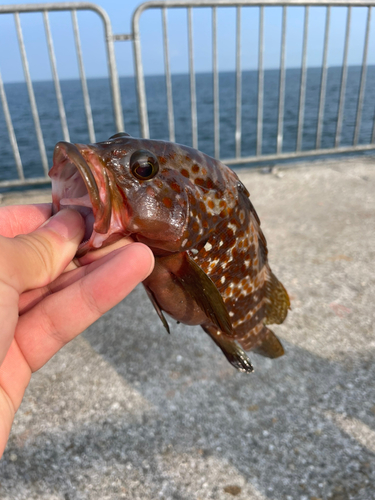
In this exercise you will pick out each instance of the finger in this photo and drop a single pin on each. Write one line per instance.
(60, 317)
(22, 219)
(8, 317)
(33, 260)
(101, 252)
(31, 297)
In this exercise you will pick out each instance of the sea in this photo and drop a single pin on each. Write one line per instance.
(100, 97)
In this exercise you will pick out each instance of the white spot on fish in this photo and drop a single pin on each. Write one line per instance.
(221, 243)
(223, 279)
(184, 242)
(194, 251)
(208, 246)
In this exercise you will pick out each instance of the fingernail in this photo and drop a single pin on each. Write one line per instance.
(67, 223)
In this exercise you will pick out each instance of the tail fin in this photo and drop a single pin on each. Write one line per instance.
(271, 347)
(278, 301)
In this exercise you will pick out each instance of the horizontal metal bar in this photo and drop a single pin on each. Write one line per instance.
(31, 181)
(228, 3)
(298, 154)
(56, 6)
(227, 161)
(122, 37)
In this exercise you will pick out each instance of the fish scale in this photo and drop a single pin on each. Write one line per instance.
(211, 263)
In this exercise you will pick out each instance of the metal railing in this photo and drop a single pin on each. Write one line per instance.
(16, 10)
(238, 133)
(164, 6)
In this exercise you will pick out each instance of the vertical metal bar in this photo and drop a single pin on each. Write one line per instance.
(260, 83)
(85, 92)
(280, 125)
(215, 85)
(323, 82)
(60, 102)
(302, 92)
(193, 96)
(112, 71)
(12, 136)
(34, 109)
(344, 74)
(140, 79)
(363, 80)
(238, 83)
(168, 79)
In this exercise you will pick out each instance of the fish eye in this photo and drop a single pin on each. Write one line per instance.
(143, 165)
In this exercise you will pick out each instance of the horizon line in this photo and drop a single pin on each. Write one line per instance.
(66, 79)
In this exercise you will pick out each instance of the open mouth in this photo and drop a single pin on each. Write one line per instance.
(87, 189)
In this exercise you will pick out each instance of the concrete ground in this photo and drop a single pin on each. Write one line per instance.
(126, 411)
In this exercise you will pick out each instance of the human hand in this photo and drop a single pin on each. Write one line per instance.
(46, 298)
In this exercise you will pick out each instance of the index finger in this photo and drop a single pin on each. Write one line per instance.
(23, 219)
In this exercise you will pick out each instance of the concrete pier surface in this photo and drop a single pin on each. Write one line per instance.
(126, 411)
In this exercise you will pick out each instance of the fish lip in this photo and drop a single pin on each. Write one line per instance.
(66, 152)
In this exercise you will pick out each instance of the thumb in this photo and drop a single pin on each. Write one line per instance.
(33, 260)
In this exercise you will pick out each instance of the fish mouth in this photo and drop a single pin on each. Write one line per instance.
(80, 181)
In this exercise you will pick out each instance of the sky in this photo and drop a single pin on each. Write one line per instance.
(120, 13)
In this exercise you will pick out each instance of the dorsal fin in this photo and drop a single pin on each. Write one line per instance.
(278, 301)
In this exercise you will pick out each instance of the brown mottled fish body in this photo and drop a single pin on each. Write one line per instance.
(194, 213)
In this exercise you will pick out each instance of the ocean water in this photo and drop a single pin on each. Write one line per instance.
(100, 97)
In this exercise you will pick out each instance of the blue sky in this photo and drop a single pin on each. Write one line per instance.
(120, 13)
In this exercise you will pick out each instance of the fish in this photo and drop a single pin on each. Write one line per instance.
(194, 213)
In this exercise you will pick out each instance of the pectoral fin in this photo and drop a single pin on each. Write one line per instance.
(203, 290)
(157, 308)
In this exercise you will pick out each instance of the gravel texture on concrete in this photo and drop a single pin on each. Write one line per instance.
(126, 411)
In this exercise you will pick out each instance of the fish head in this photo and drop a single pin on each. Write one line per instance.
(124, 187)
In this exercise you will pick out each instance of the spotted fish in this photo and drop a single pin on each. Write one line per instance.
(211, 266)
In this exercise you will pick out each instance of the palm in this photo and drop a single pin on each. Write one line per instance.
(39, 321)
